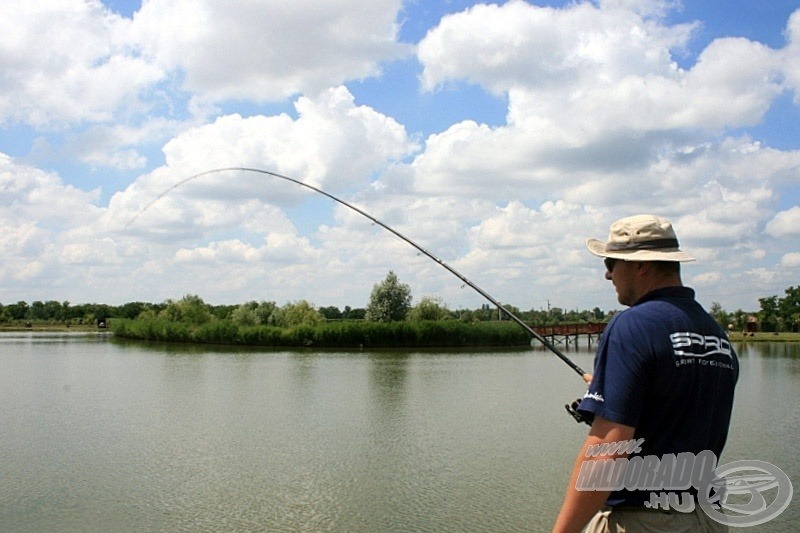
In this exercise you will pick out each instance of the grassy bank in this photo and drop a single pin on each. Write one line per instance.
(360, 334)
(47, 327)
(331, 334)
(764, 337)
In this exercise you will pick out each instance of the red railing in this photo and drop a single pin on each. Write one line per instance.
(571, 329)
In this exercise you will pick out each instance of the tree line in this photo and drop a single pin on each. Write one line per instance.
(390, 301)
(775, 314)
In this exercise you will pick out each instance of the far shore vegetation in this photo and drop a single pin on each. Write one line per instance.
(389, 320)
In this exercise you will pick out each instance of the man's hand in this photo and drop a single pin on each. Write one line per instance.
(572, 409)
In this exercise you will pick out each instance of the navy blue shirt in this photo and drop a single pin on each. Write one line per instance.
(665, 367)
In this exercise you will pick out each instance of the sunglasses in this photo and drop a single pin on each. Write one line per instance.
(610, 262)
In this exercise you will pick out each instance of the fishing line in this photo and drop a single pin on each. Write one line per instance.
(547, 344)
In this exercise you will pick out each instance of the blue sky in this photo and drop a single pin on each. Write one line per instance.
(500, 136)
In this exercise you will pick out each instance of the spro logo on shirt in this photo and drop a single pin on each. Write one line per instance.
(687, 344)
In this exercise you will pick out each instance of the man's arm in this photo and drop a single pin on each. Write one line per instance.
(579, 506)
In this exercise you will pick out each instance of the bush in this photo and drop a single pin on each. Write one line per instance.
(217, 332)
(340, 334)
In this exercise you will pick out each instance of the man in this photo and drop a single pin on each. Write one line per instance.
(663, 383)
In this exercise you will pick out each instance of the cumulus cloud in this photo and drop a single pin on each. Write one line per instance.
(333, 144)
(237, 49)
(791, 260)
(601, 116)
(119, 146)
(791, 55)
(559, 66)
(518, 45)
(176, 60)
(30, 194)
(602, 122)
(38, 212)
(706, 278)
(68, 61)
(598, 109)
(785, 224)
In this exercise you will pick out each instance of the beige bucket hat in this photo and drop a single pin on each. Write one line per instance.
(640, 238)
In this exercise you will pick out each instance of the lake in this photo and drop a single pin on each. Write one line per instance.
(104, 435)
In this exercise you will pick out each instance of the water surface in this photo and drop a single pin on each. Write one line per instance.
(102, 435)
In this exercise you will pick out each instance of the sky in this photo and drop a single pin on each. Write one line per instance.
(498, 136)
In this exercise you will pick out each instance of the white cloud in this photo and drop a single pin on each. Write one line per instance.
(600, 114)
(263, 51)
(791, 260)
(762, 276)
(518, 45)
(791, 54)
(119, 145)
(333, 144)
(68, 61)
(560, 66)
(32, 195)
(89, 251)
(601, 123)
(38, 216)
(785, 224)
(706, 278)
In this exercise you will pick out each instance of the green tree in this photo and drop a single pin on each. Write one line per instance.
(37, 310)
(739, 320)
(722, 317)
(486, 312)
(429, 309)
(555, 316)
(253, 313)
(245, 314)
(264, 312)
(390, 300)
(353, 314)
(53, 310)
(466, 315)
(789, 308)
(331, 312)
(191, 309)
(768, 315)
(500, 315)
(19, 310)
(296, 314)
(130, 310)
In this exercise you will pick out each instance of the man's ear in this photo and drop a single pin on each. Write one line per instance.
(642, 267)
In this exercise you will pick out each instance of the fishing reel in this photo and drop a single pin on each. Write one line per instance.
(572, 409)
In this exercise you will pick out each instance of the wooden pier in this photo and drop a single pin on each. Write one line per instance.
(571, 334)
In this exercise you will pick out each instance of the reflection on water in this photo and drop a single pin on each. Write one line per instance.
(111, 436)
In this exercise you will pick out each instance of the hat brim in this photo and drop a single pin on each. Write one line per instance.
(598, 248)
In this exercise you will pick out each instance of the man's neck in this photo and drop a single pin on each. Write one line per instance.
(653, 283)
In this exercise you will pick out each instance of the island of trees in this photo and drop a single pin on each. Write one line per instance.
(389, 320)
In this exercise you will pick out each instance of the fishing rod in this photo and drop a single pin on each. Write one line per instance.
(547, 344)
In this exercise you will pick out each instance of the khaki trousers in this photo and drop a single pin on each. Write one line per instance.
(608, 520)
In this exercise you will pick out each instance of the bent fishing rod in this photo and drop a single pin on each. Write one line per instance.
(547, 344)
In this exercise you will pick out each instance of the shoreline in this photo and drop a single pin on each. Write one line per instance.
(50, 328)
(85, 328)
(764, 337)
